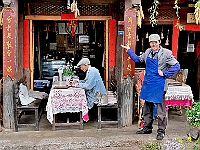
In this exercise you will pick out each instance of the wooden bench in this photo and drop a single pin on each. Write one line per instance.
(112, 104)
(19, 110)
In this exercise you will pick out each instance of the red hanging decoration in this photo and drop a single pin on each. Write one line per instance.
(26, 44)
(175, 36)
(72, 23)
(112, 43)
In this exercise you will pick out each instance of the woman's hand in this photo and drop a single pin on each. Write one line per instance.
(125, 46)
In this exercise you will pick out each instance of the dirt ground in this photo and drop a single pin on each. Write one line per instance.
(109, 137)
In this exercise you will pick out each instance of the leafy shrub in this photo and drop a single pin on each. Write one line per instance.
(193, 115)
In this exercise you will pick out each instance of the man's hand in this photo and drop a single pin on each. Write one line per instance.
(72, 83)
(125, 46)
(160, 73)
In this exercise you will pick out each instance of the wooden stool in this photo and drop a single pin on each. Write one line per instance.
(100, 121)
(112, 104)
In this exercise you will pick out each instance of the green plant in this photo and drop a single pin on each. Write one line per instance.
(153, 12)
(67, 70)
(193, 115)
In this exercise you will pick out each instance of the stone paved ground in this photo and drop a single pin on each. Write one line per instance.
(108, 137)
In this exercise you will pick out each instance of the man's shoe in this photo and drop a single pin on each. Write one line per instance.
(160, 136)
(144, 131)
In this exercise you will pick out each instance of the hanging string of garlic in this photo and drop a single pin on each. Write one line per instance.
(153, 12)
(197, 12)
(177, 8)
(140, 16)
(1, 16)
(178, 25)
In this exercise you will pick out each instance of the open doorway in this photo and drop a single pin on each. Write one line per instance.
(61, 42)
(188, 56)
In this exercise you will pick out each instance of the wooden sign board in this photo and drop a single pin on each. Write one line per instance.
(130, 26)
(8, 43)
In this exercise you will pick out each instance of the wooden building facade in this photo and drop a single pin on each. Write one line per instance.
(47, 29)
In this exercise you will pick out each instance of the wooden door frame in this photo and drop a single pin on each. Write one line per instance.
(58, 18)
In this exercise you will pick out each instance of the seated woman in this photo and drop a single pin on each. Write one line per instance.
(94, 87)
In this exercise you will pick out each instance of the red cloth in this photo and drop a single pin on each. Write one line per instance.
(185, 102)
(140, 79)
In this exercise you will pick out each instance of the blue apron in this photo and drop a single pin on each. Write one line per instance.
(153, 85)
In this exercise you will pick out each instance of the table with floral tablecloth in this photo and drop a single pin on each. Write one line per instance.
(67, 100)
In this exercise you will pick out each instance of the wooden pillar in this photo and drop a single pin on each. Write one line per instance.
(106, 57)
(125, 66)
(26, 51)
(119, 66)
(31, 54)
(10, 56)
(112, 49)
(175, 36)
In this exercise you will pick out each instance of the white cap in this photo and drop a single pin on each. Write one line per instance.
(83, 61)
(154, 37)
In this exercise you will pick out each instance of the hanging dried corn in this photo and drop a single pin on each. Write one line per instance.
(197, 12)
(140, 16)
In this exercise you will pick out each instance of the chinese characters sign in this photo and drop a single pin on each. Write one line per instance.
(8, 43)
(112, 43)
(129, 39)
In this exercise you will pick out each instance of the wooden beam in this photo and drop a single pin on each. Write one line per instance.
(43, 17)
(31, 54)
(191, 27)
(107, 44)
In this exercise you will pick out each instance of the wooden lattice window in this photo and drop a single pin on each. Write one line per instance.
(58, 9)
(165, 15)
(48, 9)
(93, 10)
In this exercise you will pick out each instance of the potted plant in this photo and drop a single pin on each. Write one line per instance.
(67, 73)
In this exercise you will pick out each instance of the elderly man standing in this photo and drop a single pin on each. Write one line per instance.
(160, 64)
(93, 84)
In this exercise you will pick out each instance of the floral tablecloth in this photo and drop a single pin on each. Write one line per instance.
(67, 100)
(179, 95)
